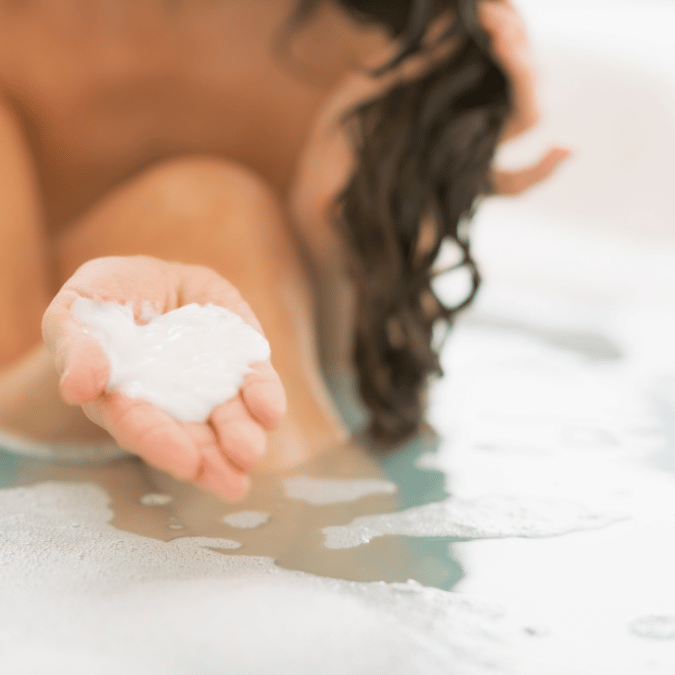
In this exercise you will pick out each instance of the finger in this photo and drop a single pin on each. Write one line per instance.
(516, 182)
(80, 359)
(240, 438)
(264, 394)
(218, 477)
(147, 431)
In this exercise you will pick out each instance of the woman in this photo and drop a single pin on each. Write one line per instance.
(271, 157)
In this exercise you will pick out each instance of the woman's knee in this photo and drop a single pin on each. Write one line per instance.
(197, 209)
(205, 190)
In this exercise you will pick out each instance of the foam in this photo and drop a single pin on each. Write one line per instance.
(156, 499)
(246, 520)
(79, 596)
(654, 627)
(185, 361)
(322, 491)
(489, 517)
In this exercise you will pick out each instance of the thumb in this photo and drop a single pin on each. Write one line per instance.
(79, 358)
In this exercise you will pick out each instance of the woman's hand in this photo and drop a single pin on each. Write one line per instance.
(511, 49)
(215, 455)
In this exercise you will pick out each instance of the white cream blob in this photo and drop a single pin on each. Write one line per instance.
(185, 362)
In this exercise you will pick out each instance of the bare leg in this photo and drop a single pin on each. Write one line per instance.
(210, 212)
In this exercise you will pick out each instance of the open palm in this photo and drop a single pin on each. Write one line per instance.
(216, 454)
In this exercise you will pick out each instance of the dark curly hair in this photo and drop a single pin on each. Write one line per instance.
(424, 153)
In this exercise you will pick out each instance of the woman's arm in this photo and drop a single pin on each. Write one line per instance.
(511, 48)
(24, 269)
(30, 405)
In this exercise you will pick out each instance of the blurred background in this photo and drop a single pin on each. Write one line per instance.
(608, 90)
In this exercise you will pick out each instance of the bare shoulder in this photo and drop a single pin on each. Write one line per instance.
(45, 40)
(69, 68)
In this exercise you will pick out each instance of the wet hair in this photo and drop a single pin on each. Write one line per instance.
(424, 152)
